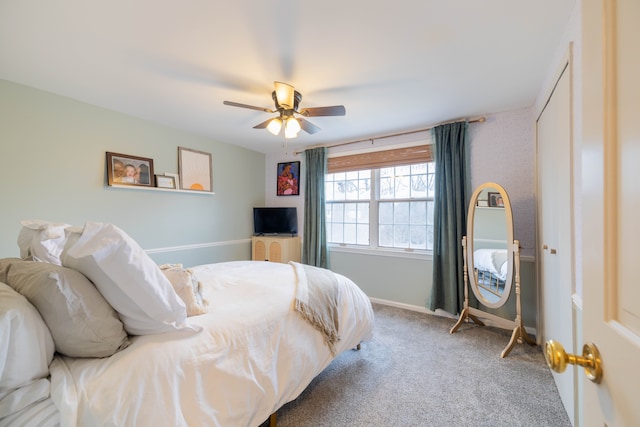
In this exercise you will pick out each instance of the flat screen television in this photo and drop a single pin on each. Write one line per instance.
(275, 221)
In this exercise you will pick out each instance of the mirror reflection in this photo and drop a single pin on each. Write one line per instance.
(490, 266)
(488, 250)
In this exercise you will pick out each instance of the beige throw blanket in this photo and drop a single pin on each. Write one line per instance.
(316, 300)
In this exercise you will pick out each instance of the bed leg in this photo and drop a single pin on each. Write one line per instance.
(272, 420)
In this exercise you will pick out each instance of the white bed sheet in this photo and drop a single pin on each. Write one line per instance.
(254, 355)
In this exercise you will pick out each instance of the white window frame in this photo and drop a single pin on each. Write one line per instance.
(373, 246)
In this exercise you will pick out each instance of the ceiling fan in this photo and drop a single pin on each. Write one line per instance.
(287, 100)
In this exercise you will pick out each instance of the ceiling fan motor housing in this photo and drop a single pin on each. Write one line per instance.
(297, 97)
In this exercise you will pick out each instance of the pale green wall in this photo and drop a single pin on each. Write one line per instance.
(489, 227)
(396, 279)
(52, 167)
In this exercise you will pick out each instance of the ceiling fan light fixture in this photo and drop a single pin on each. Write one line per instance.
(284, 95)
(291, 128)
(290, 135)
(287, 100)
(274, 126)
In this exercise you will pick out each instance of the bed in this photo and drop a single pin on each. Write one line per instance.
(233, 342)
(490, 270)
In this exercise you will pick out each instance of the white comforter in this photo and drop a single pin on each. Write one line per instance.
(254, 354)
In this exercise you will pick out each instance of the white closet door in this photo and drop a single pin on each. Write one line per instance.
(555, 241)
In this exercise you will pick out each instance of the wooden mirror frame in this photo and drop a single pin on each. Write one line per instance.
(519, 334)
(508, 243)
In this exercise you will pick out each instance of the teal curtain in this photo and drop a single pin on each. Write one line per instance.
(450, 216)
(314, 242)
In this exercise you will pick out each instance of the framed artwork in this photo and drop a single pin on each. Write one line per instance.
(124, 169)
(195, 170)
(288, 179)
(495, 200)
(163, 181)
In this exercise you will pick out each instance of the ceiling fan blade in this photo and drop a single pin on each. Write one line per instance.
(263, 124)
(336, 110)
(307, 126)
(251, 107)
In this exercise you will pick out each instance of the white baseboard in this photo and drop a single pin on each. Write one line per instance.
(442, 313)
(412, 307)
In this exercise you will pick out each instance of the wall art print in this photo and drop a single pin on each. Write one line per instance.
(288, 179)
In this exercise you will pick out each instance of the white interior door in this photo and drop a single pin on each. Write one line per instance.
(555, 247)
(611, 207)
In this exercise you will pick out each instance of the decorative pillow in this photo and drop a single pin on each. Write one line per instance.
(26, 346)
(43, 240)
(5, 263)
(81, 321)
(126, 277)
(187, 286)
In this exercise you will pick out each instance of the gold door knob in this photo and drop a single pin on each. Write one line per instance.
(557, 359)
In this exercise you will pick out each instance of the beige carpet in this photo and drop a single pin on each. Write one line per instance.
(414, 373)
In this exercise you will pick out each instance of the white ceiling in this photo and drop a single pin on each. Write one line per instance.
(396, 66)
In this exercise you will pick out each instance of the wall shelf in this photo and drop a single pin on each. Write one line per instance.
(171, 190)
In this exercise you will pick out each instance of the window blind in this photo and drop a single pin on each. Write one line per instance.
(379, 159)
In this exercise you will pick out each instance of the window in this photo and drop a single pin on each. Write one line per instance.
(348, 196)
(386, 207)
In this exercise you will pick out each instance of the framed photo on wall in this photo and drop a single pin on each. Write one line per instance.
(495, 200)
(195, 170)
(124, 169)
(288, 179)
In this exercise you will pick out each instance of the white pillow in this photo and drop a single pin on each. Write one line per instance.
(81, 321)
(126, 277)
(43, 240)
(26, 346)
(187, 286)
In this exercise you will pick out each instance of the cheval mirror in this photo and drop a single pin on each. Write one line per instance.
(491, 261)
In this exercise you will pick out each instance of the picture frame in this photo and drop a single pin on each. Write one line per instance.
(482, 203)
(495, 200)
(163, 181)
(125, 169)
(175, 177)
(288, 179)
(195, 170)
